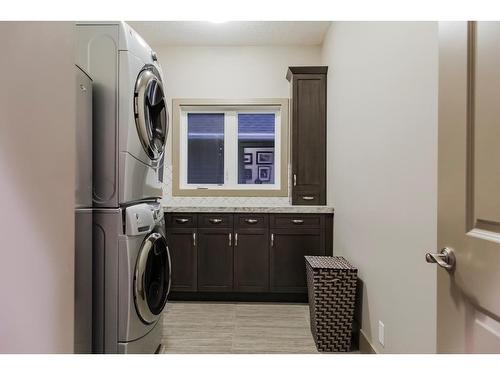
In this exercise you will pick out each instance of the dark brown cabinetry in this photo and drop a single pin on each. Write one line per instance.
(215, 252)
(243, 254)
(181, 240)
(308, 128)
(215, 259)
(293, 237)
(251, 253)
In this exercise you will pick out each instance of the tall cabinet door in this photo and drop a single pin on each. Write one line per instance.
(215, 259)
(308, 91)
(182, 245)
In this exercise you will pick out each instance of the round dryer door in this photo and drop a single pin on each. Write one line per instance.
(151, 112)
(152, 278)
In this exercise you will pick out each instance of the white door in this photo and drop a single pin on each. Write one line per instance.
(469, 187)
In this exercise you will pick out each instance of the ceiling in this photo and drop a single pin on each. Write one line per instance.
(246, 33)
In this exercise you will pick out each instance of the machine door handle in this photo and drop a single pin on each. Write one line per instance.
(446, 258)
(215, 221)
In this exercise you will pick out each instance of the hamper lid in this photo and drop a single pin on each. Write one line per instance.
(328, 262)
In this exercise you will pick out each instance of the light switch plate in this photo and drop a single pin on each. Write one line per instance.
(381, 333)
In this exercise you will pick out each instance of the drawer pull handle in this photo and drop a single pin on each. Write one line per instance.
(307, 197)
(235, 239)
(215, 221)
(181, 221)
(272, 239)
(298, 221)
(251, 221)
(230, 240)
(194, 239)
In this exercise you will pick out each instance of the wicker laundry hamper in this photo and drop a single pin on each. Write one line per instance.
(331, 284)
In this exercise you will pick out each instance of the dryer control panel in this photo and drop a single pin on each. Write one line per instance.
(142, 218)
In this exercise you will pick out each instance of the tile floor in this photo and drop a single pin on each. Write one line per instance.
(190, 327)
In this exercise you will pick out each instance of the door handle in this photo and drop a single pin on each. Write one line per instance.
(235, 239)
(294, 179)
(215, 221)
(230, 239)
(194, 239)
(446, 258)
(272, 239)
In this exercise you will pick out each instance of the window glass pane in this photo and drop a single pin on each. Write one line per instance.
(256, 135)
(205, 148)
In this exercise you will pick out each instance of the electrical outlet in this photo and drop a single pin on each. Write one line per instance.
(381, 333)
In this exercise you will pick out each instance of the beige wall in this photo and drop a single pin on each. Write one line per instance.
(382, 154)
(36, 187)
(229, 72)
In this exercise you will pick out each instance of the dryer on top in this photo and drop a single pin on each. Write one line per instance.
(130, 119)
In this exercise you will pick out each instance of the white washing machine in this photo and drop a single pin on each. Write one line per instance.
(130, 121)
(131, 265)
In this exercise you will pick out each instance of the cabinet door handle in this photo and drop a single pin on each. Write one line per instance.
(215, 221)
(235, 239)
(251, 221)
(298, 221)
(194, 239)
(307, 197)
(230, 239)
(294, 179)
(272, 239)
(181, 221)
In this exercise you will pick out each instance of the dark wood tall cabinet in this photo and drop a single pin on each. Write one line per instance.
(308, 128)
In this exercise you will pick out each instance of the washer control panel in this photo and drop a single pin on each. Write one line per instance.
(142, 218)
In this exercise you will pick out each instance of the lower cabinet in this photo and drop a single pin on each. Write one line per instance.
(215, 260)
(288, 248)
(245, 253)
(183, 258)
(251, 253)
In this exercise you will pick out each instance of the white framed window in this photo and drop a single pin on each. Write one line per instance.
(238, 149)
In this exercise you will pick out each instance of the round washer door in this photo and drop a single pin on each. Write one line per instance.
(151, 112)
(152, 278)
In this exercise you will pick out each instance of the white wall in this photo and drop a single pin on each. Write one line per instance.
(382, 166)
(229, 72)
(37, 166)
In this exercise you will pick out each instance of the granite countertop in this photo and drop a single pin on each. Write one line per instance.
(254, 209)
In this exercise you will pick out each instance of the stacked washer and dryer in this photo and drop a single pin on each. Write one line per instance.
(130, 257)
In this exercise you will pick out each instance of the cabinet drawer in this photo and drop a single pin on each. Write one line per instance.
(306, 198)
(215, 220)
(251, 221)
(180, 220)
(297, 221)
